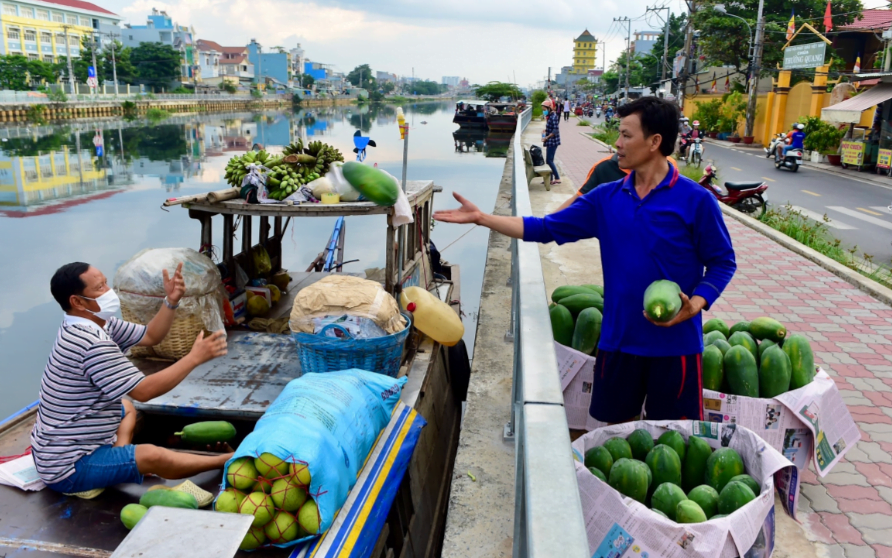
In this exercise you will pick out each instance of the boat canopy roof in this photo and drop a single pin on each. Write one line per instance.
(472, 102)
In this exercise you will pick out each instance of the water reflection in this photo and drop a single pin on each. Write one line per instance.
(62, 200)
(475, 140)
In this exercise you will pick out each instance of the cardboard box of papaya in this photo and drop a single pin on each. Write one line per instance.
(757, 375)
(681, 489)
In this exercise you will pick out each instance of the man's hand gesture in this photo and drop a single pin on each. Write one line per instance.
(176, 287)
(467, 213)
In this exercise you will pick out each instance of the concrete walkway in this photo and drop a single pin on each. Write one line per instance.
(847, 513)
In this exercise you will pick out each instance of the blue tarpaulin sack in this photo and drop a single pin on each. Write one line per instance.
(328, 422)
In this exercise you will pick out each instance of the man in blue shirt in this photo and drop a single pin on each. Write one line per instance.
(653, 224)
(797, 139)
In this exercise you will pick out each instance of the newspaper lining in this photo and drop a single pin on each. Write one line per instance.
(615, 523)
(810, 422)
(21, 473)
(577, 373)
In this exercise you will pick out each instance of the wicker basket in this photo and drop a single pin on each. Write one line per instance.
(179, 340)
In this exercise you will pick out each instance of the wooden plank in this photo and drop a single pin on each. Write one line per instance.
(378, 551)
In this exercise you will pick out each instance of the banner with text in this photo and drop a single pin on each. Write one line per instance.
(810, 55)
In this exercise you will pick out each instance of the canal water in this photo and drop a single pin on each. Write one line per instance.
(60, 202)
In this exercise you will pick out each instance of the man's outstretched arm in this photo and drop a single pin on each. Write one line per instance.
(469, 213)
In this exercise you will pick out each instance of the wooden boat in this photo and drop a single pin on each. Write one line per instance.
(240, 386)
(470, 114)
(501, 116)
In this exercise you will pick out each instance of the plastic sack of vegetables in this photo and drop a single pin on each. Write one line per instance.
(295, 470)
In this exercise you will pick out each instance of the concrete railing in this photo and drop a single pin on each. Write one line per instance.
(37, 97)
(548, 519)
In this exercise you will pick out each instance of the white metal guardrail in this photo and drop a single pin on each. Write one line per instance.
(548, 518)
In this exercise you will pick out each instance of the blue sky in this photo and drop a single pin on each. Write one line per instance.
(484, 40)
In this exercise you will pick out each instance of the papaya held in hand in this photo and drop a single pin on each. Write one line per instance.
(665, 305)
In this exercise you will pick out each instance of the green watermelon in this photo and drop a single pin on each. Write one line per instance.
(597, 472)
(618, 448)
(666, 498)
(629, 477)
(641, 443)
(665, 465)
(723, 465)
(688, 511)
(749, 481)
(599, 458)
(694, 467)
(675, 441)
(717, 324)
(734, 496)
(707, 498)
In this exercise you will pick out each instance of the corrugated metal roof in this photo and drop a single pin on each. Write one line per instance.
(871, 20)
(850, 110)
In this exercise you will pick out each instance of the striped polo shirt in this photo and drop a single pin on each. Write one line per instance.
(80, 395)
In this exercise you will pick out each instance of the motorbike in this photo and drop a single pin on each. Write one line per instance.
(777, 140)
(695, 152)
(747, 197)
(792, 159)
(598, 112)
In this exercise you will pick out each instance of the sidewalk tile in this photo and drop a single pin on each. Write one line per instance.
(841, 528)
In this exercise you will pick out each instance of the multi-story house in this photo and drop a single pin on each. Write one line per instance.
(160, 28)
(209, 55)
(232, 62)
(47, 29)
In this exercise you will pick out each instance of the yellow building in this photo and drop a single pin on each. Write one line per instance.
(50, 177)
(37, 28)
(584, 51)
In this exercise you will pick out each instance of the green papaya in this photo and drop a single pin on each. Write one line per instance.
(739, 326)
(693, 469)
(662, 301)
(629, 477)
(674, 440)
(749, 481)
(561, 324)
(597, 472)
(579, 302)
(707, 498)
(745, 340)
(763, 346)
(597, 288)
(587, 331)
(666, 498)
(802, 361)
(131, 514)
(774, 373)
(717, 324)
(734, 496)
(723, 465)
(712, 371)
(665, 465)
(641, 443)
(618, 448)
(600, 458)
(722, 346)
(372, 183)
(767, 328)
(741, 372)
(689, 511)
(564, 291)
(712, 337)
(168, 499)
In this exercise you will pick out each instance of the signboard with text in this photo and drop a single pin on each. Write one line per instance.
(852, 152)
(810, 55)
(884, 158)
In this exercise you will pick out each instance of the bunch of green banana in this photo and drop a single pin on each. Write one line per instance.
(237, 167)
(317, 157)
(284, 179)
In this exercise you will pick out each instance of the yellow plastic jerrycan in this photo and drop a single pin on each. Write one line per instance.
(432, 316)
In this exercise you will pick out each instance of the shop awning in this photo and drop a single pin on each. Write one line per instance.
(849, 111)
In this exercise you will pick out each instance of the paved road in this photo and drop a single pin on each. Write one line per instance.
(858, 211)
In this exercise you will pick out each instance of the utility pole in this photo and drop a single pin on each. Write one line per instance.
(754, 74)
(628, 23)
(686, 69)
(95, 68)
(71, 81)
(114, 63)
(665, 40)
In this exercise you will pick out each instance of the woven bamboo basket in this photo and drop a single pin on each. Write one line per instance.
(179, 340)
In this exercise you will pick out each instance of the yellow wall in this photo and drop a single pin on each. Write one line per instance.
(52, 27)
(690, 107)
(584, 55)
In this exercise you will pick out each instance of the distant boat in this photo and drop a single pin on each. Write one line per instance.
(501, 116)
(470, 114)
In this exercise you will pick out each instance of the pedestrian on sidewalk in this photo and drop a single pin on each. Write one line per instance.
(552, 138)
(566, 109)
(653, 224)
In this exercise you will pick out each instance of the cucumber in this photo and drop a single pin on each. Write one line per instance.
(741, 372)
(713, 372)
(774, 373)
(168, 499)
(661, 300)
(587, 331)
(561, 324)
(802, 361)
(579, 302)
(372, 183)
(207, 432)
(767, 328)
(569, 290)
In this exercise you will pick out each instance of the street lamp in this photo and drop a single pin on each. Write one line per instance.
(755, 60)
(720, 8)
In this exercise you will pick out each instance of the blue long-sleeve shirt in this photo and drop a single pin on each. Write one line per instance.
(673, 233)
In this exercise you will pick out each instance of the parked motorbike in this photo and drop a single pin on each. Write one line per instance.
(695, 152)
(792, 159)
(746, 197)
(772, 145)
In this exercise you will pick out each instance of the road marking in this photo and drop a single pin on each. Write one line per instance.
(886, 210)
(820, 218)
(768, 179)
(812, 193)
(871, 220)
(869, 211)
(735, 168)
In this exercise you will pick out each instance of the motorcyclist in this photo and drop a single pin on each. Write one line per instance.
(689, 135)
(609, 113)
(796, 137)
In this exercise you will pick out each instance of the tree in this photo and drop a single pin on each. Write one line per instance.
(495, 90)
(725, 40)
(122, 63)
(85, 60)
(388, 87)
(424, 87)
(651, 63)
(156, 64)
(610, 81)
(361, 76)
(17, 72)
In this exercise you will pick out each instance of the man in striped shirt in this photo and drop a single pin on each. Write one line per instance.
(82, 438)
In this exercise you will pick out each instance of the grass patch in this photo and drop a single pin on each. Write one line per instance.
(607, 133)
(693, 173)
(583, 122)
(815, 235)
(156, 114)
(396, 99)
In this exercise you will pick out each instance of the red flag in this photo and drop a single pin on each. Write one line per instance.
(727, 84)
(828, 19)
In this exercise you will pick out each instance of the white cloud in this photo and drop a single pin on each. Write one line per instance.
(483, 41)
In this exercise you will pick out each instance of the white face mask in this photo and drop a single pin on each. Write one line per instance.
(109, 304)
